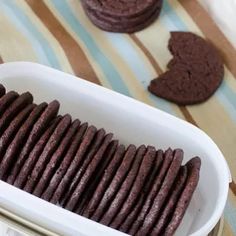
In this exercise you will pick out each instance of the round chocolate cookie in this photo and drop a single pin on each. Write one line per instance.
(121, 195)
(125, 22)
(160, 198)
(138, 184)
(92, 151)
(39, 127)
(57, 177)
(132, 216)
(21, 135)
(74, 165)
(106, 179)
(2, 90)
(96, 176)
(125, 27)
(88, 174)
(56, 158)
(193, 167)
(34, 155)
(6, 100)
(115, 183)
(48, 151)
(17, 143)
(170, 205)
(21, 102)
(10, 132)
(194, 74)
(160, 175)
(118, 8)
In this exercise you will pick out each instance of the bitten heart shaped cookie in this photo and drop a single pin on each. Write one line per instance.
(194, 73)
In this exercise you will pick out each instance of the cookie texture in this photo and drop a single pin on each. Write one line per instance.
(193, 167)
(123, 17)
(104, 182)
(115, 183)
(2, 90)
(22, 135)
(194, 73)
(34, 155)
(120, 8)
(57, 177)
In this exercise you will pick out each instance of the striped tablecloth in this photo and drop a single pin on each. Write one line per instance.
(58, 34)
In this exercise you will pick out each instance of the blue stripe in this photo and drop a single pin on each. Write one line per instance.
(104, 62)
(173, 17)
(230, 215)
(46, 54)
(225, 95)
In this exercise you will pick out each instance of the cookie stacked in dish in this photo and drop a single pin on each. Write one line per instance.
(137, 190)
(122, 16)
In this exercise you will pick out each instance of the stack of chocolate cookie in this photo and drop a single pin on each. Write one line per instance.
(122, 16)
(137, 190)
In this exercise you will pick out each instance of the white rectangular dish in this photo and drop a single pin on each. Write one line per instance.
(131, 122)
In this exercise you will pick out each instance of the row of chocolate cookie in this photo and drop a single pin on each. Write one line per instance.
(147, 193)
(122, 16)
(135, 190)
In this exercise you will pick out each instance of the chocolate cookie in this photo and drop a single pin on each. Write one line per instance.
(141, 178)
(21, 135)
(74, 165)
(153, 192)
(34, 155)
(57, 177)
(125, 21)
(48, 151)
(47, 116)
(115, 183)
(92, 150)
(6, 100)
(96, 177)
(38, 128)
(104, 182)
(10, 132)
(193, 167)
(125, 226)
(122, 194)
(88, 174)
(123, 28)
(123, 24)
(120, 8)
(55, 159)
(170, 205)
(21, 102)
(2, 90)
(160, 198)
(15, 147)
(194, 74)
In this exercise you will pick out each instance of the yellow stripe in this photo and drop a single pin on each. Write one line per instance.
(58, 51)
(11, 38)
(227, 231)
(157, 43)
(94, 64)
